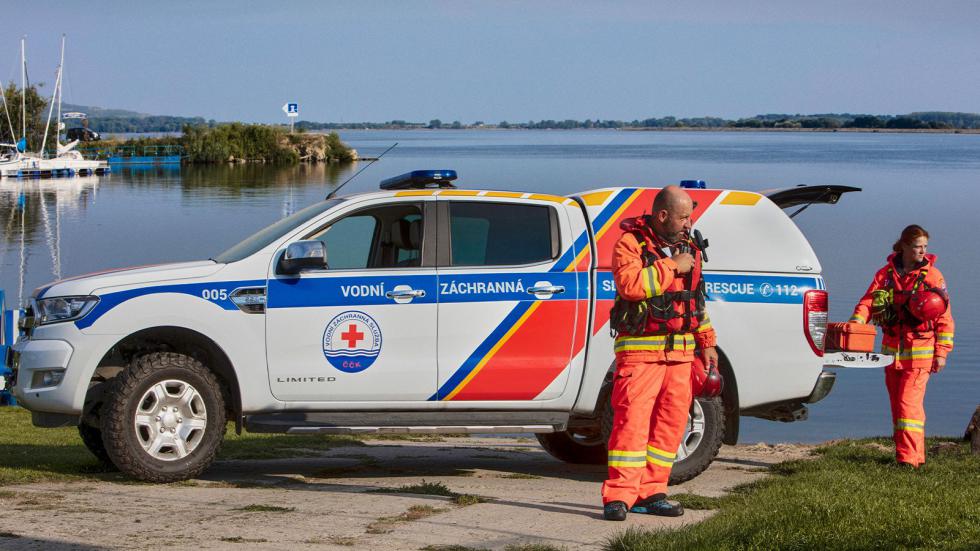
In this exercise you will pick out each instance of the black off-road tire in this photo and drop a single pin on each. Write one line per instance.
(119, 432)
(707, 449)
(565, 447)
(568, 448)
(92, 438)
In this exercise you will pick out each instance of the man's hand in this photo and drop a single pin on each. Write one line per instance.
(938, 364)
(684, 262)
(710, 357)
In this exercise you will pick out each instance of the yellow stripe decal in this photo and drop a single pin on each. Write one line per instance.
(503, 340)
(458, 193)
(596, 199)
(741, 198)
(619, 212)
(543, 197)
(418, 193)
(509, 194)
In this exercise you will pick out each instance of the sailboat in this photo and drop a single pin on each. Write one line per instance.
(66, 161)
(14, 157)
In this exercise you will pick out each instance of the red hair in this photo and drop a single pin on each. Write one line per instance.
(909, 235)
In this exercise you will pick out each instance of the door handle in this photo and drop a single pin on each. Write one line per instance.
(546, 289)
(405, 293)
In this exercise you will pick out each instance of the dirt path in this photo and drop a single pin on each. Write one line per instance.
(328, 502)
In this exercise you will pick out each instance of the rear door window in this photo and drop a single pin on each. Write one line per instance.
(501, 234)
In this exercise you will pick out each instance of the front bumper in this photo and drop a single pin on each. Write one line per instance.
(29, 359)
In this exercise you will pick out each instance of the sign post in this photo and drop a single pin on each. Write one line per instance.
(292, 111)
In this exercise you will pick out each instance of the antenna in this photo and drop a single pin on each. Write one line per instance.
(378, 158)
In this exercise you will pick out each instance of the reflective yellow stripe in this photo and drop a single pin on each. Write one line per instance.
(858, 318)
(625, 453)
(627, 464)
(660, 457)
(945, 338)
(662, 453)
(683, 342)
(703, 326)
(651, 282)
(910, 425)
(916, 353)
(625, 458)
(659, 462)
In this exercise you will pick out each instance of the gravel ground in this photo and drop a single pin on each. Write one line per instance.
(331, 501)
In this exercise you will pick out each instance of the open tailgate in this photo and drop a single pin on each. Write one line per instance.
(859, 360)
(805, 195)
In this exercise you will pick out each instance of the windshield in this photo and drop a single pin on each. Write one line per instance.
(261, 239)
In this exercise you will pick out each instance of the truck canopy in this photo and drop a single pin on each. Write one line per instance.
(746, 231)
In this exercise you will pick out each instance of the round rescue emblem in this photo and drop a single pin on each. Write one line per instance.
(352, 341)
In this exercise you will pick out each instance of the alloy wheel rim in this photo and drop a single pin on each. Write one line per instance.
(170, 420)
(693, 433)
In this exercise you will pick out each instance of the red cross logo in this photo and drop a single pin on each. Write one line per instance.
(352, 336)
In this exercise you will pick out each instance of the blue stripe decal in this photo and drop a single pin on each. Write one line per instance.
(505, 286)
(582, 241)
(769, 289)
(611, 209)
(212, 292)
(482, 350)
(315, 292)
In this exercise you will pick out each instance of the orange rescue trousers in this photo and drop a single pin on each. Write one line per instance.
(906, 392)
(650, 402)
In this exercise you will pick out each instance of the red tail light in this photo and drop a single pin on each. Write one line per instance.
(815, 319)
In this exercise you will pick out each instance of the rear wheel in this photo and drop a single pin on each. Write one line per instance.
(164, 418)
(699, 446)
(92, 438)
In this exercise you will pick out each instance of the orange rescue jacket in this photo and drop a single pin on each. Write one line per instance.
(913, 347)
(634, 282)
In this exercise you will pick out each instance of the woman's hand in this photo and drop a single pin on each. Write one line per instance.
(938, 364)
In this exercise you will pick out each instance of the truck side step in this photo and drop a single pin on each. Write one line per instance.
(435, 422)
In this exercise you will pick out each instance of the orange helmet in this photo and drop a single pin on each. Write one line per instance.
(705, 383)
(928, 305)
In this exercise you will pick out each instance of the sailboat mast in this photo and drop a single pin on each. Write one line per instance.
(61, 72)
(23, 89)
(54, 96)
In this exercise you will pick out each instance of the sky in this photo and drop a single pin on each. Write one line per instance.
(351, 61)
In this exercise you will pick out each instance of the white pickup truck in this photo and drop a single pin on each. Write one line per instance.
(421, 308)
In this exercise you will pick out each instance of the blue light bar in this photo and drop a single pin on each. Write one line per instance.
(418, 179)
(693, 184)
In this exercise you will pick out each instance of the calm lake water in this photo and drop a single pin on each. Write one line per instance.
(50, 229)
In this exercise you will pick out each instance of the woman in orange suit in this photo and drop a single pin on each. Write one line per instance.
(908, 299)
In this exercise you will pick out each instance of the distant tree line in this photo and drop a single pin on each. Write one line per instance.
(122, 125)
(920, 120)
(924, 120)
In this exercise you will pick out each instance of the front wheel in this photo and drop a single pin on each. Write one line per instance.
(164, 418)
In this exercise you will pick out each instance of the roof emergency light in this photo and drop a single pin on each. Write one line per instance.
(693, 184)
(419, 179)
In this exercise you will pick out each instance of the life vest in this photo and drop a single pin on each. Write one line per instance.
(667, 313)
(894, 316)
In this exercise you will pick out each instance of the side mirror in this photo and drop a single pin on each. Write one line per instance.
(302, 255)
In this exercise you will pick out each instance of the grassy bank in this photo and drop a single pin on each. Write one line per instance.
(852, 496)
(238, 142)
(30, 454)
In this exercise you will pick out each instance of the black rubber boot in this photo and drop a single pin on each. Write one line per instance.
(614, 510)
(657, 504)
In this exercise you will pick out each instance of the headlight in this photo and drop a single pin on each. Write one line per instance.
(58, 309)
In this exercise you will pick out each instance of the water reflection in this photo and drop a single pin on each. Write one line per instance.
(31, 213)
